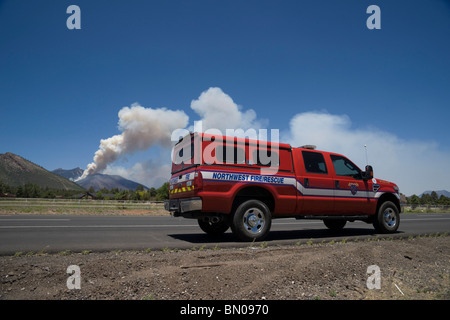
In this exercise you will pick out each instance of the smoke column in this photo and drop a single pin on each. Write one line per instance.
(141, 129)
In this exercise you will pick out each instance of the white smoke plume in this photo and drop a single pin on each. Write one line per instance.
(218, 110)
(141, 129)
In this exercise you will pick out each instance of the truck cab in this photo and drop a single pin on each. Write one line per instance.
(243, 184)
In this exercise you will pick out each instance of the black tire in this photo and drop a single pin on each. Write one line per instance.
(251, 220)
(334, 224)
(387, 219)
(213, 228)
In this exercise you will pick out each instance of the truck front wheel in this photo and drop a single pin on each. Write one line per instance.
(387, 219)
(251, 220)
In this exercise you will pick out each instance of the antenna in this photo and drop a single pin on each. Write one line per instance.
(367, 160)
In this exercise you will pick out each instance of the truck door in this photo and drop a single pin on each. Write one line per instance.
(351, 191)
(314, 184)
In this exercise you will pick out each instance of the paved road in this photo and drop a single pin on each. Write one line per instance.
(24, 233)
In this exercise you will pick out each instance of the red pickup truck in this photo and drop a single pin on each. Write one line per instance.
(242, 183)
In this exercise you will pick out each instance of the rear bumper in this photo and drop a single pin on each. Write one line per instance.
(183, 205)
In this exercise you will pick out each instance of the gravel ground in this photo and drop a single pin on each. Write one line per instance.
(409, 269)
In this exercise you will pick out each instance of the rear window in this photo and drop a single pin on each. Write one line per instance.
(314, 162)
(266, 157)
(230, 155)
(183, 156)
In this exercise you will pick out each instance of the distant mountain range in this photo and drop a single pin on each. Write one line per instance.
(72, 174)
(99, 181)
(439, 193)
(17, 171)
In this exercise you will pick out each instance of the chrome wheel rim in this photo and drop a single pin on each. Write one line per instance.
(390, 218)
(254, 220)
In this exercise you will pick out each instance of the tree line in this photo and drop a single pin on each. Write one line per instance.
(152, 194)
(31, 190)
(426, 199)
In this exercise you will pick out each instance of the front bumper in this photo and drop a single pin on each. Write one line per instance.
(183, 205)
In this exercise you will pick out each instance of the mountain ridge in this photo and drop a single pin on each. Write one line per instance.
(438, 192)
(71, 174)
(99, 181)
(16, 171)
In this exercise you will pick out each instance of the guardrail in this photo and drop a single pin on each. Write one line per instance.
(80, 203)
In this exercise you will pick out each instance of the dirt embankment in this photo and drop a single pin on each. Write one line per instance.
(408, 269)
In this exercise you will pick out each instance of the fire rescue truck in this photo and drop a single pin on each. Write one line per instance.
(241, 183)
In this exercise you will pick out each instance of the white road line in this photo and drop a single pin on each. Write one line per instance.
(35, 219)
(140, 226)
(298, 222)
(433, 219)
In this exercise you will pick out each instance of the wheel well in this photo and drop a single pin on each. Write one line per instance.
(257, 193)
(388, 197)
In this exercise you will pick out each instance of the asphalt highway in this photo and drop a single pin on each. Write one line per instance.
(51, 233)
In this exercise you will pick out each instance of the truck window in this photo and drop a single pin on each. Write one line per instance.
(265, 157)
(314, 162)
(344, 167)
(230, 155)
(183, 156)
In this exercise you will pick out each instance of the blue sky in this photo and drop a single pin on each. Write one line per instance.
(61, 90)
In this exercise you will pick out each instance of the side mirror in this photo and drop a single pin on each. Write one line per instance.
(368, 174)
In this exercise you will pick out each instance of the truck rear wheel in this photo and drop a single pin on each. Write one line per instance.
(388, 218)
(251, 221)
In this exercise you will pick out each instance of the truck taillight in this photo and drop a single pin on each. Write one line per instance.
(198, 180)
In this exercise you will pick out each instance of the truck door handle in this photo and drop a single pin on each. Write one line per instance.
(306, 182)
(336, 184)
